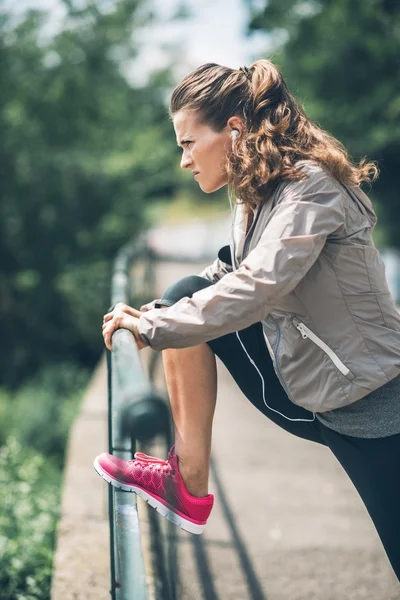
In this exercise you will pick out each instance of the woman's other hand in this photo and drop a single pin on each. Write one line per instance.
(122, 317)
(149, 305)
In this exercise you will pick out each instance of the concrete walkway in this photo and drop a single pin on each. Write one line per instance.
(287, 523)
(81, 564)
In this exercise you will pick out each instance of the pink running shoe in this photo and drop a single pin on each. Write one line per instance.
(160, 484)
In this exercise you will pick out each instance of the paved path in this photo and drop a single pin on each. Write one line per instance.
(287, 523)
(81, 563)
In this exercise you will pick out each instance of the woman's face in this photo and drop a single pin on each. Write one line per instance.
(204, 150)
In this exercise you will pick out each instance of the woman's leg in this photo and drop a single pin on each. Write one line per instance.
(191, 379)
(259, 383)
(373, 466)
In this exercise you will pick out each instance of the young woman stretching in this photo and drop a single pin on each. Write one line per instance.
(297, 308)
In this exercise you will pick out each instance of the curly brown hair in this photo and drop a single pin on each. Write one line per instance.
(278, 132)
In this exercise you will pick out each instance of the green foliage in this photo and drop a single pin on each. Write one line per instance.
(341, 58)
(34, 426)
(40, 413)
(82, 153)
(29, 498)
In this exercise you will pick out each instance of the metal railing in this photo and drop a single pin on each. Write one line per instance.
(136, 413)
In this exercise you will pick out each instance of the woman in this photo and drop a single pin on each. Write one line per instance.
(298, 309)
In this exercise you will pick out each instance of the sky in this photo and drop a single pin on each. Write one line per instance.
(215, 33)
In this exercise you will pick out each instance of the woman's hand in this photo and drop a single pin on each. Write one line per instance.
(149, 305)
(121, 317)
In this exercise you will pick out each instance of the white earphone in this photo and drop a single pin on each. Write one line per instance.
(234, 134)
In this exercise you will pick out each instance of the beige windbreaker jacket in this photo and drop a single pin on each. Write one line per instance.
(309, 271)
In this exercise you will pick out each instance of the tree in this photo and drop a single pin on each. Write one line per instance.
(342, 59)
(81, 154)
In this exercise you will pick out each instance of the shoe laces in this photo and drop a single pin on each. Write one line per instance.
(154, 460)
(151, 459)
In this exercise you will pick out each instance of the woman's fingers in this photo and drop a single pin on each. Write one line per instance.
(121, 320)
(107, 334)
(121, 308)
(110, 315)
(129, 310)
(108, 329)
(133, 311)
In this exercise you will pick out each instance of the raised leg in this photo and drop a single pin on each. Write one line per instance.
(191, 378)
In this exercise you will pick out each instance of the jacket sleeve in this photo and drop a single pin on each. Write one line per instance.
(307, 212)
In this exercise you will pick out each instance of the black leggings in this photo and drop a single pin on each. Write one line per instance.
(373, 465)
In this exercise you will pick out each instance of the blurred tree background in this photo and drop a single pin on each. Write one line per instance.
(341, 58)
(82, 153)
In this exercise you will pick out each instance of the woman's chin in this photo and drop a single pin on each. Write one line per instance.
(206, 189)
(209, 188)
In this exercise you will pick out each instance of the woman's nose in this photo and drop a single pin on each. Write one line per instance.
(185, 161)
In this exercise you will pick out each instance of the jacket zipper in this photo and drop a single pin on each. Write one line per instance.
(276, 356)
(247, 236)
(250, 231)
(307, 333)
(232, 244)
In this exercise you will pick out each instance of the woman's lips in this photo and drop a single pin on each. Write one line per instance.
(196, 175)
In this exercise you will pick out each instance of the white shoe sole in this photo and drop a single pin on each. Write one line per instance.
(159, 506)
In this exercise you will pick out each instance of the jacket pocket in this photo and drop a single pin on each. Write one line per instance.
(306, 333)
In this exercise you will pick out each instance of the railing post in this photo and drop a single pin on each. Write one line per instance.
(136, 413)
(130, 582)
(110, 488)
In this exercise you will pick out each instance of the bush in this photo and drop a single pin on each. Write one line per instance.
(40, 413)
(29, 499)
(34, 426)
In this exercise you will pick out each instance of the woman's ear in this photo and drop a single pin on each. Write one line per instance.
(235, 124)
